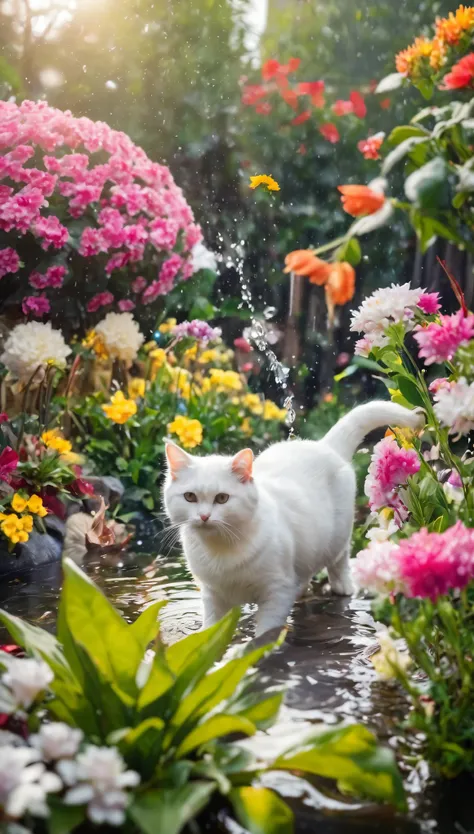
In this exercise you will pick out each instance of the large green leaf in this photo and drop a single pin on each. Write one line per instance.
(409, 391)
(211, 642)
(402, 132)
(261, 811)
(40, 642)
(146, 626)
(216, 727)
(64, 818)
(428, 186)
(400, 152)
(263, 712)
(167, 811)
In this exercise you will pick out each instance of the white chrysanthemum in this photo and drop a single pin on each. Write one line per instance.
(31, 346)
(26, 678)
(99, 777)
(24, 782)
(56, 741)
(203, 258)
(454, 406)
(384, 307)
(121, 336)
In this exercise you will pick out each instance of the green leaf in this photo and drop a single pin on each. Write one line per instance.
(425, 86)
(146, 626)
(401, 151)
(189, 659)
(169, 810)
(264, 712)
(402, 132)
(215, 727)
(428, 186)
(390, 82)
(410, 391)
(349, 251)
(41, 642)
(261, 811)
(439, 525)
(64, 818)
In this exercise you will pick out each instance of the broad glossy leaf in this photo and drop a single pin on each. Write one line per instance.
(410, 391)
(428, 186)
(64, 818)
(146, 626)
(349, 251)
(402, 132)
(402, 150)
(261, 811)
(264, 711)
(40, 642)
(216, 727)
(167, 811)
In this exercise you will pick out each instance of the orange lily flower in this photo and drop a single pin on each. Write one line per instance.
(358, 200)
(305, 262)
(340, 286)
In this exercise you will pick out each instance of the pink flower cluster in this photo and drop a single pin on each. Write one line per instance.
(390, 467)
(439, 342)
(196, 329)
(426, 565)
(53, 277)
(142, 214)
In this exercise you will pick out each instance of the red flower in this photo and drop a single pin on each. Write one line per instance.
(241, 344)
(330, 132)
(81, 487)
(53, 503)
(252, 93)
(270, 68)
(461, 75)
(3, 417)
(358, 103)
(315, 89)
(247, 367)
(264, 108)
(302, 117)
(8, 463)
(291, 66)
(370, 147)
(385, 103)
(342, 108)
(290, 97)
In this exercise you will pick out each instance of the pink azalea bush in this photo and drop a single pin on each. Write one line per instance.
(81, 206)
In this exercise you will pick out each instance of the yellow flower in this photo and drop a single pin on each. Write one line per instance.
(54, 440)
(13, 528)
(189, 432)
(264, 179)
(450, 29)
(180, 382)
(72, 459)
(93, 342)
(120, 408)
(272, 412)
(19, 504)
(190, 354)
(25, 523)
(208, 356)
(149, 346)
(253, 403)
(224, 380)
(136, 388)
(167, 325)
(35, 506)
(245, 426)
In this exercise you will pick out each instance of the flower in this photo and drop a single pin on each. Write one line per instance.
(340, 285)
(37, 305)
(14, 528)
(35, 506)
(264, 179)
(301, 118)
(385, 306)
(56, 741)
(203, 258)
(31, 346)
(98, 777)
(196, 329)
(224, 380)
(26, 678)
(358, 104)
(409, 60)
(370, 147)
(272, 412)
(432, 564)
(188, 431)
(53, 439)
(429, 303)
(136, 388)
(439, 342)
(121, 336)
(242, 344)
(377, 568)
(450, 29)
(461, 75)
(245, 426)
(24, 782)
(330, 132)
(454, 406)
(126, 305)
(120, 408)
(53, 277)
(158, 357)
(8, 463)
(253, 403)
(342, 108)
(102, 299)
(360, 200)
(389, 468)
(9, 261)
(389, 659)
(167, 326)
(305, 262)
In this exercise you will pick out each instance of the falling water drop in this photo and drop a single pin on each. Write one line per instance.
(84, 68)
(269, 312)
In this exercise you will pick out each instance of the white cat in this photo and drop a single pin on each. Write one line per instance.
(257, 531)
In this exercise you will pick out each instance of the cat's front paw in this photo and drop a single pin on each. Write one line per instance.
(343, 586)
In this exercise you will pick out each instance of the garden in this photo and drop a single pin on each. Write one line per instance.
(225, 226)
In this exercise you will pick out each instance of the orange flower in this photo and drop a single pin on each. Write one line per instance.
(370, 147)
(320, 272)
(438, 54)
(290, 97)
(450, 29)
(300, 261)
(341, 282)
(407, 59)
(330, 132)
(358, 200)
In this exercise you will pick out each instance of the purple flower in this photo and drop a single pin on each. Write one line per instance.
(197, 329)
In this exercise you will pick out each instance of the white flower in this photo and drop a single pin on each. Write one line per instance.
(99, 776)
(24, 782)
(386, 528)
(121, 336)
(384, 307)
(26, 678)
(56, 741)
(454, 406)
(389, 659)
(203, 258)
(31, 346)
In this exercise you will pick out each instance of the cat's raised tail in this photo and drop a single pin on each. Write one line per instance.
(351, 429)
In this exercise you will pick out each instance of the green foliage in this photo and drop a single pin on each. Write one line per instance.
(170, 717)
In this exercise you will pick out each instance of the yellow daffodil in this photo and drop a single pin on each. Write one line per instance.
(189, 432)
(54, 440)
(167, 325)
(224, 380)
(35, 506)
(264, 179)
(120, 409)
(19, 504)
(253, 403)
(272, 412)
(136, 388)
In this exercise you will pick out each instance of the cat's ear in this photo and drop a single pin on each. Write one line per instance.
(242, 464)
(177, 458)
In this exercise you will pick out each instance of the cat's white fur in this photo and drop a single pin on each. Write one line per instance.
(289, 514)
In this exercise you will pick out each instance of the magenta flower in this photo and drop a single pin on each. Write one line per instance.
(242, 344)
(36, 305)
(429, 303)
(439, 342)
(139, 284)
(9, 261)
(8, 463)
(100, 300)
(432, 564)
(126, 305)
(389, 469)
(53, 277)
(4, 417)
(196, 329)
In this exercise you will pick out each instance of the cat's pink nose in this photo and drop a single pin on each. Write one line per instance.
(204, 516)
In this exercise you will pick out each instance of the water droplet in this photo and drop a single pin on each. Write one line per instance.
(111, 85)
(269, 312)
(84, 68)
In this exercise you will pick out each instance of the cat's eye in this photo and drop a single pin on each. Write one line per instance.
(221, 498)
(191, 497)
